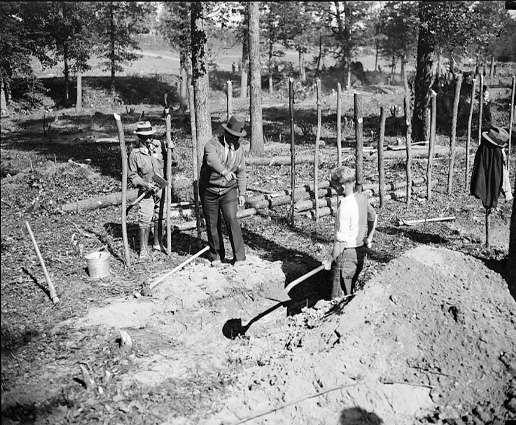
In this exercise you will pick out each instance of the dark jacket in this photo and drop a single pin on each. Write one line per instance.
(214, 163)
(486, 177)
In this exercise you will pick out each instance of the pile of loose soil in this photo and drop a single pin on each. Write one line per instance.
(431, 338)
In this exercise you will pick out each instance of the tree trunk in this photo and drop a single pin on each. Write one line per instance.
(66, 73)
(270, 67)
(257, 145)
(302, 69)
(510, 266)
(423, 81)
(200, 77)
(112, 44)
(245, 62)
(78, 101)
(3, 100)
(183, 70)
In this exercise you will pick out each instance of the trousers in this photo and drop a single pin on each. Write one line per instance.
(216, 207)
(345, 270)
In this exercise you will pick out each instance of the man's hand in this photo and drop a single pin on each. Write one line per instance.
(171, 145)
(368, 242)
(241, 200)
(229, 175)
(147, 186)
(327, 264)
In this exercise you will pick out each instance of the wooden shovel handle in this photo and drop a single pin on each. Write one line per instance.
(53, 295)
(304, 277)
(184, 263)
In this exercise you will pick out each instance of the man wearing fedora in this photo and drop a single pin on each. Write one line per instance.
(144, 161)
(490, 174)
(222, 184)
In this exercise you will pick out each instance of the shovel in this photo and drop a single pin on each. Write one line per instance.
(233, 327)
(156, 178)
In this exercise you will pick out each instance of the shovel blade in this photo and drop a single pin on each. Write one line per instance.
(160, 181)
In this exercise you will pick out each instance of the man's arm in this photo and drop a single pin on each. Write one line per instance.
(212, 158)
(371, 228)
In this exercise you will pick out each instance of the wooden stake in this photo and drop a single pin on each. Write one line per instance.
(51, 289)
(339, 125)
(488, 219)
(431, 146)
(360, 143)
(458, 85)
(292, 148)
(381, 168)
(123, 152)
(168, 196)
(468, 140)
(408, 145)
(229, 99)
(195, 167)
(480, 107)
(316, 153)
(511, 123)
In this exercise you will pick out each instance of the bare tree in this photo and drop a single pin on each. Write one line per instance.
(256, 78)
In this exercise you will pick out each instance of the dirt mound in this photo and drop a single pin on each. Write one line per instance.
(431, 337)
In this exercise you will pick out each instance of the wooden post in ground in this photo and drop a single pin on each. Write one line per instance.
(458, 84)
(339, 125)
(229, 99)
(123, 152)
(195, 168)
(480, 107)
(488, 219)
(511, 122)
(431, 146)
(359, 120)
(168, 197)
(468, 139)
(292, 148)
(408, 145)
(317, 140)
(381, 168)
(78, 101)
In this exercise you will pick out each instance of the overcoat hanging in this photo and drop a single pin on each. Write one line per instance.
(486, 177)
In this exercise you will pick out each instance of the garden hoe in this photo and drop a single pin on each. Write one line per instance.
(160, 182)
(233, 327)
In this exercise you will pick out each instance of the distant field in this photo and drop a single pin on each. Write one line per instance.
(157, 60)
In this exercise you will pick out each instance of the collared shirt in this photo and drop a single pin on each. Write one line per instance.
(353, 213)
(142, 165)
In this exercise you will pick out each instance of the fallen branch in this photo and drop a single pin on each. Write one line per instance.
(278, 160)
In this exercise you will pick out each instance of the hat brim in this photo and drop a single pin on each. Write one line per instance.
(234, 133)
(145, 133)
(485, 134)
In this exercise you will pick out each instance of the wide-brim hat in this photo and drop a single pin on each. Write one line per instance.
(144, 128)
(497, 136)
(235, 127)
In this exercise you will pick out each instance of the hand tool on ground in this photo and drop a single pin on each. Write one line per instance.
(161, 183)
(425, 220)
(233, 327)
(184, 263)
(52, 290)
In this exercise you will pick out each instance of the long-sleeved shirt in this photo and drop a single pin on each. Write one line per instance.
(142, 165)
(216, 161)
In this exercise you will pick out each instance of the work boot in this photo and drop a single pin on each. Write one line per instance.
(144, 240)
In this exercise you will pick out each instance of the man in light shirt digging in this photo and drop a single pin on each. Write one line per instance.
(355, 224)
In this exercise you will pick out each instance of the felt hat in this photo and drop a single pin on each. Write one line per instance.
(144, 128)
(235, 127)
(497, 136)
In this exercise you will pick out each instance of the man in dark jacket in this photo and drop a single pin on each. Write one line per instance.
(222, 185)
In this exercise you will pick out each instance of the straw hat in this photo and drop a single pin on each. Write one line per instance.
(144, 128)
(235, 127)
(497, 136)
